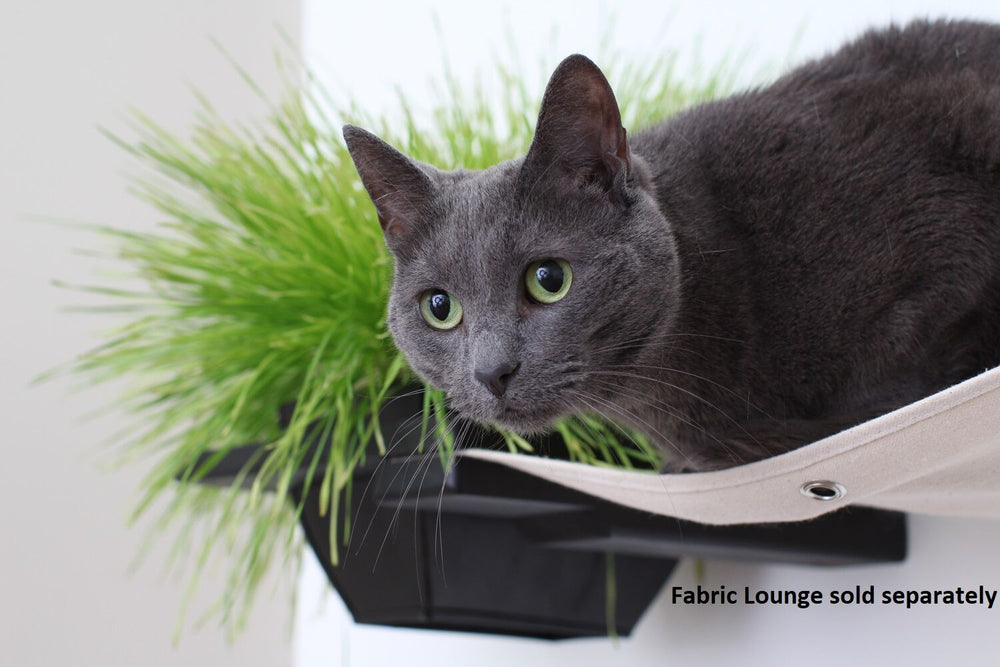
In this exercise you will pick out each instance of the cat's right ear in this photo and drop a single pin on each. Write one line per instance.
(400, 189)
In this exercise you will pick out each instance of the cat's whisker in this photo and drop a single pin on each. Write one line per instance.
(724, 388)
(644, 399)
(669, 347)
(594, 435)
(575, 409)
(426, 459)
(667, 335)
(423, 457)
(438, 538)
(395, 441)
(586, 397)
(669, 341)
(438, 525)
(701, 399)
(406, 394)
(627, 415)
(597, 412)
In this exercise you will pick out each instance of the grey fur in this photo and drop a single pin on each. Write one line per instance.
(750, 275)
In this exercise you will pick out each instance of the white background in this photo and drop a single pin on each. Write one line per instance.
(368, 49)
(66, 597)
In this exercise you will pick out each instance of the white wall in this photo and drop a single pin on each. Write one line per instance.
(945, 553)
(66, 597)
(365, 49)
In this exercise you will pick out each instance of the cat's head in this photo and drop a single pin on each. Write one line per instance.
(519, 289)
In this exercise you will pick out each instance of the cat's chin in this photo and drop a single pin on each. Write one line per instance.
(524, 422)
(525, 427)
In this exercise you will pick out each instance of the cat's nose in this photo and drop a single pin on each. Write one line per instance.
(497, 379)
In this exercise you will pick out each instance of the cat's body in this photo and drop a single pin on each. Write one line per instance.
(749, 276)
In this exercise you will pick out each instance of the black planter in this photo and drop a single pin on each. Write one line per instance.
(488, 549)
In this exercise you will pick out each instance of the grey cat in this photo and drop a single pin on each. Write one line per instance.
(749, 276)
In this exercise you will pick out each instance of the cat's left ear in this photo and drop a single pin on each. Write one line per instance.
(579, 132)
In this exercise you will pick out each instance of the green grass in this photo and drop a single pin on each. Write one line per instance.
(267, 281)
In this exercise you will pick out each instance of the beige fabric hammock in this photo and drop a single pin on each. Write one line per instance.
(940, 455)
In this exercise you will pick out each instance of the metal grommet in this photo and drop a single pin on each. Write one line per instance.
(823, 490)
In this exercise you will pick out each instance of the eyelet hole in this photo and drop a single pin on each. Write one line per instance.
(823, 490)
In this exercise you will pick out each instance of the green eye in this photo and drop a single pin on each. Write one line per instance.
(440, 309)
(548, 280)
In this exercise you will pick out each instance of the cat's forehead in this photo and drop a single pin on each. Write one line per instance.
(496, 208)
(478, 203)
(482, 231)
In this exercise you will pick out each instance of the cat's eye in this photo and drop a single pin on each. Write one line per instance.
(548, 280)
(440, 309)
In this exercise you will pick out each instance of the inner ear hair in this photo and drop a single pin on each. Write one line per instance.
(579, 130)
(398, 186)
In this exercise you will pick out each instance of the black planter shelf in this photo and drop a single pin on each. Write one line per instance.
(485, 548)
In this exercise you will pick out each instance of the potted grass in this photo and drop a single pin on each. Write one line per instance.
(262, 320)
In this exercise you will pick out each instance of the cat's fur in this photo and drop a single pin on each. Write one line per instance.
(751, 275)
